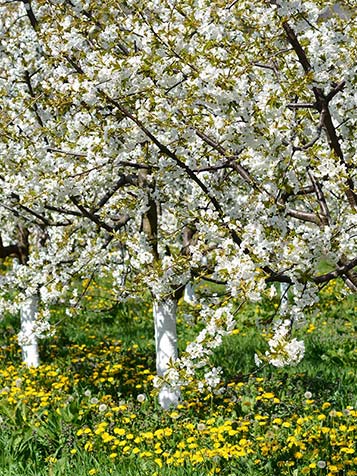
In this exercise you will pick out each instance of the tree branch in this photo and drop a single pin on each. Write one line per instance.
(166, 151)
(94, 218)
(325, 217)
(65, 152)
(234, 165)
(304, 216)
(30, 14)
(322, 105)
(293, 40)
(123, 180)
(339, 87)
(63, 211)
(341, 270)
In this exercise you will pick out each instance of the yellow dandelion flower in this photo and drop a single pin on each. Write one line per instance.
(268, 395)
(106, 437)
(347, 450)
(332, 468)
(88, 447)
(197, 458)
(119, 431)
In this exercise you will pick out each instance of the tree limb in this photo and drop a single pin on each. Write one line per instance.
(123, 180)
(86, 213)
(30, 14)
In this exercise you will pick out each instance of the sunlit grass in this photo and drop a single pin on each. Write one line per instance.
(90, 407)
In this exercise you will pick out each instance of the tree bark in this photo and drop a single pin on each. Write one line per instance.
(28, 341)
(189, 294)
(166, 346)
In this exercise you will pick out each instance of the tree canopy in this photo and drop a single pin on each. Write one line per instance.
(184, 140)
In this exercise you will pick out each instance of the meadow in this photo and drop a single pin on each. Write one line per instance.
(90, 408)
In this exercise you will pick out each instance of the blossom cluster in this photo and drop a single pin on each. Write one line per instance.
(282, 351)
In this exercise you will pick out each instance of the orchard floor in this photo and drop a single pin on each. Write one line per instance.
(90, 408)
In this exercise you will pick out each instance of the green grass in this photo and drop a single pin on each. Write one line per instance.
(78, 413)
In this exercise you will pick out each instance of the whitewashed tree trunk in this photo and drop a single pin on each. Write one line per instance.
(27, 337)
(166, 346)
(189, 294)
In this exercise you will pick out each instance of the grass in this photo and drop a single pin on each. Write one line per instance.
(79, 412)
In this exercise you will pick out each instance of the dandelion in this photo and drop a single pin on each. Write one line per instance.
(347, 450)
(119, 431)
(268, 395)
(89, 447)
(333, 468)
(321, 464)
(102, 407)
(307, 395)
(141, 397)
(87, 393)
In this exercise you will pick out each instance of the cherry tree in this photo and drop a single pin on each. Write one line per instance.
(20, 280)
(186, 140)
(52, 182)
(17, 247)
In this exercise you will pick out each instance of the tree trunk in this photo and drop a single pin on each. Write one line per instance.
(284, 299)
(189, 294)
(166, 346)
(28, 340)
